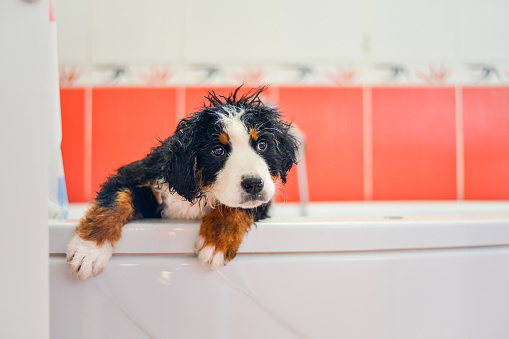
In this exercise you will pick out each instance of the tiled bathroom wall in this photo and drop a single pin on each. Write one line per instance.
(397, 99)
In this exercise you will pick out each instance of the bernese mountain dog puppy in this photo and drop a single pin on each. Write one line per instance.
(220, 166)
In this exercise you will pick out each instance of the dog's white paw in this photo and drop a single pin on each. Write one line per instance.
(86, 258)
(207, 254)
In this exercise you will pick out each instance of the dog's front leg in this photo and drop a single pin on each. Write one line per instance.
(97, 233)
(221, 234)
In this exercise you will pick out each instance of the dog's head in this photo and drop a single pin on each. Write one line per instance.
(232, 150)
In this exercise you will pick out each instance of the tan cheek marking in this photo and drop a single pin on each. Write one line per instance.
(154, 186)
(224, 228)
(157, 195)
(254, 133)
(102, 224)
(199, 180)
(223, 138)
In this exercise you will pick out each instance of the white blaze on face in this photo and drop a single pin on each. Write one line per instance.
(243, 162)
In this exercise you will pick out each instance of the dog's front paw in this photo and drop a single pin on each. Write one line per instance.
(211, 254)
(87, 258)
(221, 233)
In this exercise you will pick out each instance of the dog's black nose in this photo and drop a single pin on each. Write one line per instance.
(252, 185)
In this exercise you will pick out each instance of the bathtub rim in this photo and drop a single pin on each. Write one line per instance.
(319, 234)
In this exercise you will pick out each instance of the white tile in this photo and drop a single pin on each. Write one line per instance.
(412, 30)
(72, 30)
(131, 31)
(229, 32)
(484, 30)
(320, 31)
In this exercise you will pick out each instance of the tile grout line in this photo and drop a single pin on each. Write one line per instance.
(180, 104)
(87, 132)
(460, 147)
(87, 124)
(273, 95)
(367, 141)
(458, 105)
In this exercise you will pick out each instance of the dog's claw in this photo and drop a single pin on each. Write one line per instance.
(86, 258)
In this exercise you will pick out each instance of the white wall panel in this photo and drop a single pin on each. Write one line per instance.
(449, 34)
(231, 32)
(25, 101)
(484, 28)
(414, 30)
(136, 31)
(320, 30)
(73, 31)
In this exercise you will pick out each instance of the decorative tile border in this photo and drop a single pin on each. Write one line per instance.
(346, 74)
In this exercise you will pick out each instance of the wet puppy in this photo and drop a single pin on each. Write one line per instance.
(221, 165)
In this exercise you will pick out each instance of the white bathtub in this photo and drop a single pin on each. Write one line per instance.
(351, 270)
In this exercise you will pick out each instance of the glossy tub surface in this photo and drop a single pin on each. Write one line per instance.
(379, 270)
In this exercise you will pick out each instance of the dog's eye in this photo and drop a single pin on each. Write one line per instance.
(218, 151)
(262, 145)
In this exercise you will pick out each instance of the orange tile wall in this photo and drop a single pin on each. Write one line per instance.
(72, 102)
(413, 138)
(331, 121)
(126, 124)
(414, 143)
(486, 129)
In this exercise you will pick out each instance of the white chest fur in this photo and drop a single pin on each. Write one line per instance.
(176, 207)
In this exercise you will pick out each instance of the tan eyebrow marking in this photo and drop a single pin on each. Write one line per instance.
(254, 133)
(223, 138)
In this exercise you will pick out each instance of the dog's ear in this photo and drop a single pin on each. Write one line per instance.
(287, 146)
(180, 164)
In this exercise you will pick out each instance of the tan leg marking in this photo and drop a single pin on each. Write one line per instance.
(102, 224)
(221, 233)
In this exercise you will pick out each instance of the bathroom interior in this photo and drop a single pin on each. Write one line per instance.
(393, 224)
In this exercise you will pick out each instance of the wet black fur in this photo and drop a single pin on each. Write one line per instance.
(185, 160)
